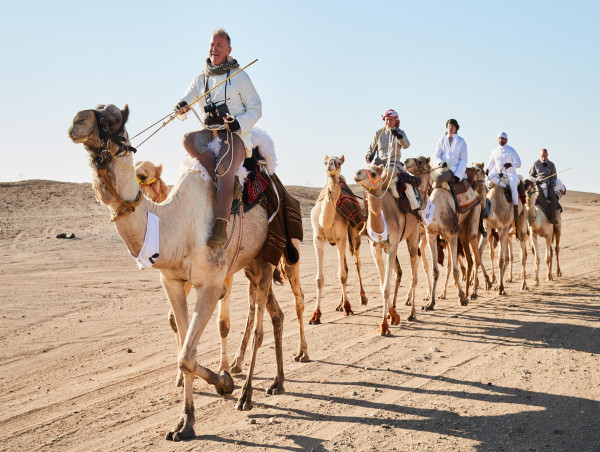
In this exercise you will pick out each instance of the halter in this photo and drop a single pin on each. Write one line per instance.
(371, 181)
(337, 165)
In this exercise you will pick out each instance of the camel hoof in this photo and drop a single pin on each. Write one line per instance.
(509, 280)
(179, 380)
(558, 273)
(464, 302)
(302, 357)
(316, 318)
(275, 388)
(243, 404)
(348, 309)
(442, 296)
(412, 318)
(224, 386)
(364, 300)
(187, 433)
(473, 296)
(314, 322)
(428, 307)
(408, 302)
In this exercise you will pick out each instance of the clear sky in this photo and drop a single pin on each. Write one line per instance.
(326, 73)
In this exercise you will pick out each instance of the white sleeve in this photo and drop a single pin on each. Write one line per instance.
(492, 164)
(251, 102)
(436, 158)
(194, 89)
(461, 164)
(516, 163)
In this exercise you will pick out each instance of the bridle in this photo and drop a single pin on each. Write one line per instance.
(102, 156)
(337, 165)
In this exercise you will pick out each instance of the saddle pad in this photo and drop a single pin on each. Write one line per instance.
(349, 206)
(520, 190)
(545, 210)
(465, 196)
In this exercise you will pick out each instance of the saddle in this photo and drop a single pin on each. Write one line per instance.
(347, 204)
(520, 190)
(464, 196)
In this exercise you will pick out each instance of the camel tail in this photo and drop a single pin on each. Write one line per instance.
(279, 275)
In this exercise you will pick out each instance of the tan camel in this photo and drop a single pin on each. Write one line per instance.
(501, 218)
(387, 226)
(148, 176)
(329, 224)
(444, 222)
(540, 225)
(185, 221)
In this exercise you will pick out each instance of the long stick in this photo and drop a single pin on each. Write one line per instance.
(552, 175)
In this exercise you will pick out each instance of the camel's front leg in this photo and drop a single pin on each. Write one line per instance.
(502, 259)
(444, 294)
(423, 247)
(523, 244)
(238, 361)
(355, 248)
(432, 241)
(293, 275)
(413, 246)
(173, 324)
(482, 241)
(277, 320)
(557, 231)
(224, 322)
(343, 276)
(511, 256)
(478, 264)
(462, 299)
(536, 257)
(386, 292)
(549, 258)
(318, 243)
(377, 254)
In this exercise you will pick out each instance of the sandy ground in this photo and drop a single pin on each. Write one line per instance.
(88, 361)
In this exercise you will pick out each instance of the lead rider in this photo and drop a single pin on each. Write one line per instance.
(230, 112)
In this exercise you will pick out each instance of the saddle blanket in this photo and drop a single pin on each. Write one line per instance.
(545, 210)
(520, 190)
(465, 196)
(347, 204)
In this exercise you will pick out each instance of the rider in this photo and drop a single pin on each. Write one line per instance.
(451, 152)
(387, 144)
(233, 108)
(505, 160)
(543, 172)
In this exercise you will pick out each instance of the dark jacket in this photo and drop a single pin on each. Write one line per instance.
(540, 170)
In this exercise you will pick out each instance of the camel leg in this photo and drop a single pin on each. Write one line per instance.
(557, 231)
(189, 333)
(173, 324)
(238, 360)
(318, 243)
(224, 322)
(511, 257)
(423, 247)
(293, 275)
(462, 299)
(464, 242)
(263, 273)
(354, 242)
(523, 244)
(502, 259)
(413, 245)
(343, 276)
(386, 292)
(398, 273)
(378, 258)
(482, 242)
(448, 271)
(549, 258)
(277, 321)
(478, 264)
(536, 258)
(432, 241)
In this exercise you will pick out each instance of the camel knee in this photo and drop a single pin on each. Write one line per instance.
(320, 280)
(186, 364)
(172, 321)
(224, 327)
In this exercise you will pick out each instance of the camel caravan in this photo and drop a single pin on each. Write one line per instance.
(229, 212)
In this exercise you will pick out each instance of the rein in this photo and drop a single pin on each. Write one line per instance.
(126, 207)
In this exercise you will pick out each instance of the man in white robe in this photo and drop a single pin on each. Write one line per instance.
(502, 166)
(451, 152)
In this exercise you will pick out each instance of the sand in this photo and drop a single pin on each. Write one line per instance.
(88, 361)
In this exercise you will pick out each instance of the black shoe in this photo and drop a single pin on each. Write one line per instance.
(218, 236)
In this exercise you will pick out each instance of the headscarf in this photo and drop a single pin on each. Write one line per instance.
(392, 113)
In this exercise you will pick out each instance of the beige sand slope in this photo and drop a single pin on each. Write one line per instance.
(88, 361)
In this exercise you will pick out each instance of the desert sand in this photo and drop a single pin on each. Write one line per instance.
(88, 361)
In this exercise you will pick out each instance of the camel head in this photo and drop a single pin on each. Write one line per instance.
(333, 165)
(418, 165)
(371, 178)
(479, 171)
(146, 172)
(102, 132)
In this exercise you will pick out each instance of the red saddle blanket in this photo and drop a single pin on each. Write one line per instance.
(520, 190)
(348, 205)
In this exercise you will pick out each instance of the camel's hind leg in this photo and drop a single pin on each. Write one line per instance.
(292, 273)
(432, 241)
(482, 242)
(549, 258)
(523, 245)
(412, 243)
(318, 243)
(422, 248)
(173, 324)
(536, 258)
(343, 276)
(238, 360)
(462, 299)
(503, 259)
(261, 274)
(354, 245)
(444, 294)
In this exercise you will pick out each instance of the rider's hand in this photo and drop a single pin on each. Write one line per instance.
(233, 125)
(369, 157)
(455, 179)
(397, 134)
(507, 165)
(181, 107)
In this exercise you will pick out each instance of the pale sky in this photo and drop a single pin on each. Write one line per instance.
(326, 73)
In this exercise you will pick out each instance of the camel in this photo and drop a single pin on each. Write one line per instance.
(185, 220)
(540, 225)
(444, 222)
(148, 176)
(501, 219)
(329, 224)
(384, 215)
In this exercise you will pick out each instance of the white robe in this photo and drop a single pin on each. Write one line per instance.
(501, 155)
(454, 155)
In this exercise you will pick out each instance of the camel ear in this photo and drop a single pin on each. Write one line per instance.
(158, 171)
(125, 114)
(381, 168)
(427, 160)
(326, 159)
(341, 159)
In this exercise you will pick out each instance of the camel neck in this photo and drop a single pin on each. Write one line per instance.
(375, 220)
